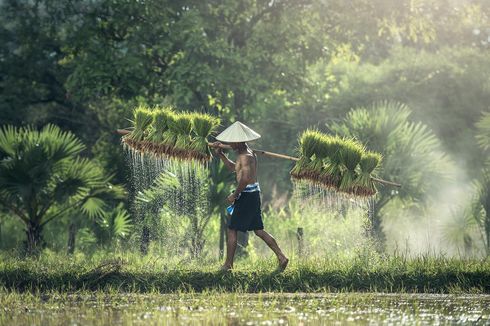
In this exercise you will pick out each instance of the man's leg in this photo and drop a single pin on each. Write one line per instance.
(272, 243)
(230, 248)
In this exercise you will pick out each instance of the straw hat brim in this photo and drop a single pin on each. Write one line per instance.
(237, 133)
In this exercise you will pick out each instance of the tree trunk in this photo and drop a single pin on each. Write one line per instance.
(145, 240)
(34, 238)
(72, 232)
(222, 235)
(376, 230)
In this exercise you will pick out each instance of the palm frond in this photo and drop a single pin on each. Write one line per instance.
(483, 135)
(10, 137)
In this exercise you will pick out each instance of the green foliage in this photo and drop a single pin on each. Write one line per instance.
(483, 136)
(412, 155)
(281, 65)
(43, 178)
(482, 185)
(114, 225)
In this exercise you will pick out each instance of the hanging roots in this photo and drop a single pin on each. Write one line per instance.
(335, 163)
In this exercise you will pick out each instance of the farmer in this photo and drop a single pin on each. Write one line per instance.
(245, 212)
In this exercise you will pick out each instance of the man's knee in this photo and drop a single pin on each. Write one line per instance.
(259, 233)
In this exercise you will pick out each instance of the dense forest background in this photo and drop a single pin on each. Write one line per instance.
(409, 78)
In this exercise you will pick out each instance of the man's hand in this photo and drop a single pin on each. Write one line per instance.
(217, 150)
(231, 199)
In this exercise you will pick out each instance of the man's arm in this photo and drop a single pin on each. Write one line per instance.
(228, 163)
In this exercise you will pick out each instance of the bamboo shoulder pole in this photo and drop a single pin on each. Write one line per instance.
(276, 155)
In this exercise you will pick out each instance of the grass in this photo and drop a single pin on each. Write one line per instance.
(131, 273)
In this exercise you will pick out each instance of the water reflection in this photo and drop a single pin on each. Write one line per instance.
(250, 309)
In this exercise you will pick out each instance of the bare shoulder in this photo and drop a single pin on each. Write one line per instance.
(246, 159)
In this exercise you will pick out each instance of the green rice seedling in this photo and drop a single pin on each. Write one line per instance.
(158, 125)
(203, 126)
(142, 120)
(364, 185)
(307, 141)
(170, 135)
(350, 153)
(183, 128)
(322, 150)
(332, 168)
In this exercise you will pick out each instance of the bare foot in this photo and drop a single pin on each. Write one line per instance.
(283, 263)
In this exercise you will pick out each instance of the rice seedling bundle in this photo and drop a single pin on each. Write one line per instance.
(170, 135)
(322, 150)
(183, 128)
(142, 120)
(364, 185)
(335, 163)
(351, 153)
(203, 126)
(158, 125)
(332, 167)
(308, 141)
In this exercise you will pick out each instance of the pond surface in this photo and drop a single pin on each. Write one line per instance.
(245, 309)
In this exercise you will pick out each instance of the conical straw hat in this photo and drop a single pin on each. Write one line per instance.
(237, 133)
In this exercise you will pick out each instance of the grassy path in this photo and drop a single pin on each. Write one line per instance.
(131, 274)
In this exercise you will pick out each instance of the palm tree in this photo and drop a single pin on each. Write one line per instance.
(412, 154)
(219, 188)
(483, 184)
(483, 135)
(43, 178)
(179, 197)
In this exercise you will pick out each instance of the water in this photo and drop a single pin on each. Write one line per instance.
(169, 201)
(171, 209)
(316, 198)
(250, 309)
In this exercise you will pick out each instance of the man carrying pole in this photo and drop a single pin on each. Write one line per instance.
(245, 211)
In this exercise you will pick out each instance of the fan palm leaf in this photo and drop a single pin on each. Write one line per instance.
(42, 177)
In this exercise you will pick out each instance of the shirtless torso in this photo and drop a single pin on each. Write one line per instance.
(246, 173)
(245, 167)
